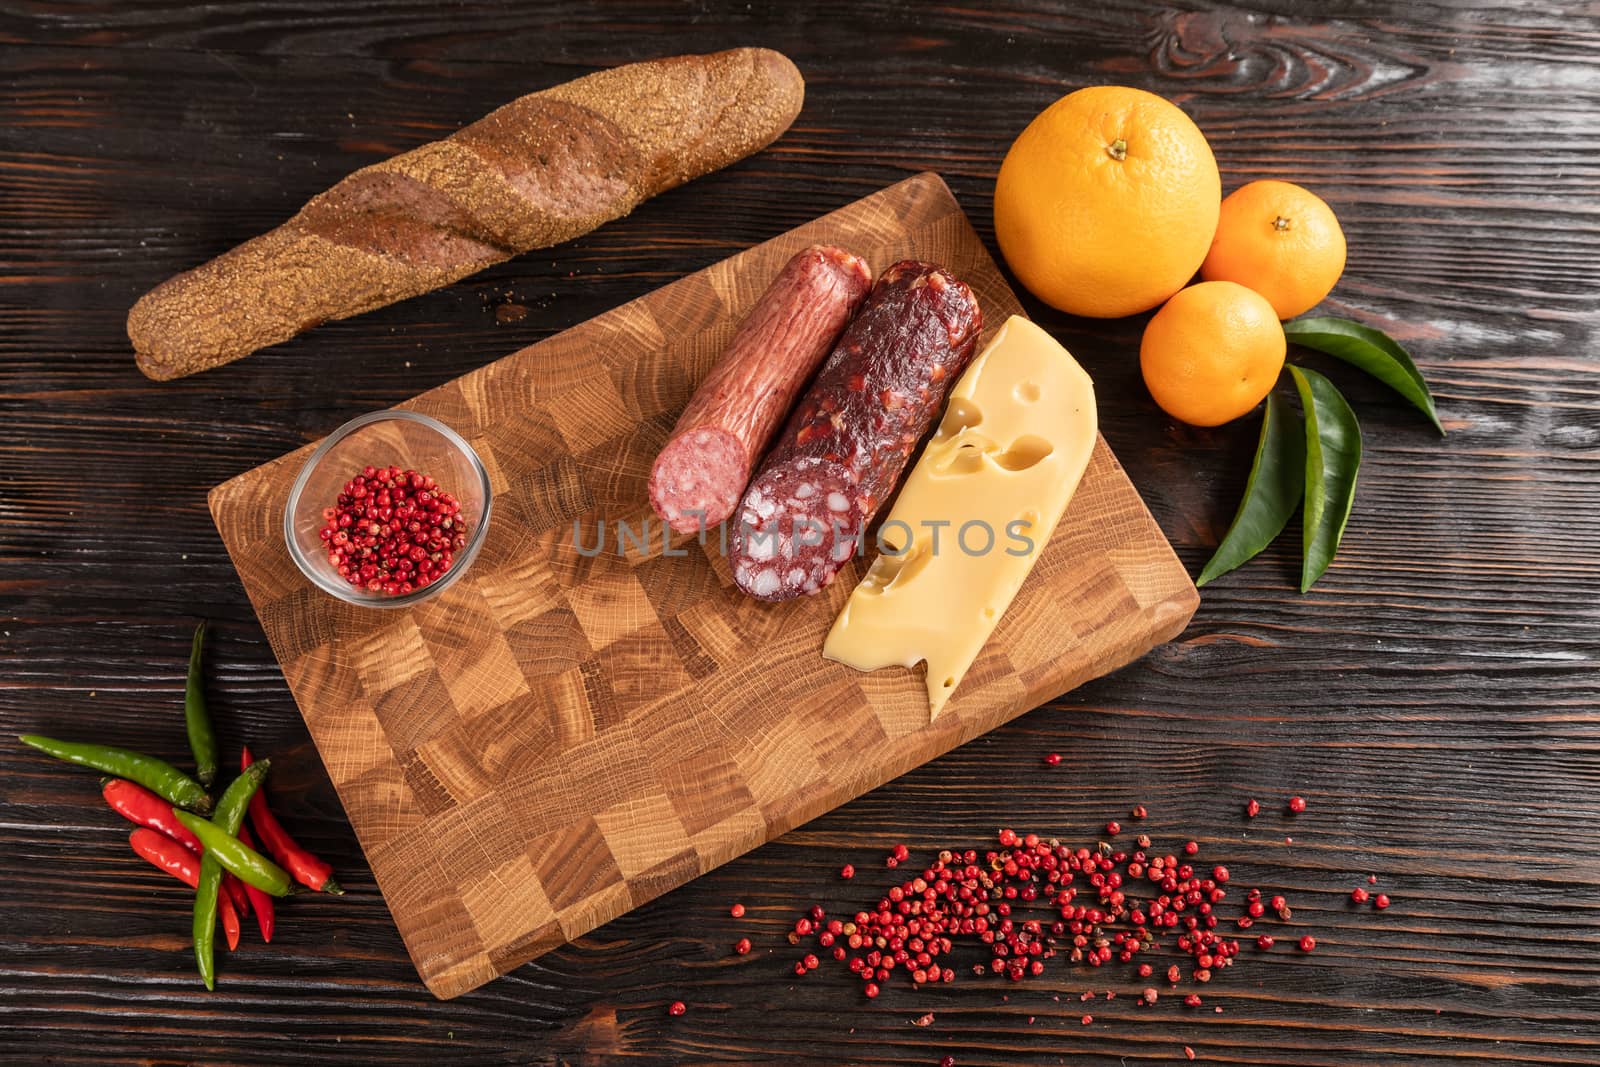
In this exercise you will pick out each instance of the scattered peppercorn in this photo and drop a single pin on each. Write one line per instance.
(742, 946)
(1380, 901)
(947, 1061)
(1053, 759)
(1252, 808)
(1191, 847)
(1264, 942)
(1192, 1000)
(1297, 804)
(677, 1007)
(1308, 943)
(1087, 1019)
(1358, 895)
(1139, 811)
(1151, 995)
(737, 911)
(847, 871)
(1100, 906)
(1113, 828)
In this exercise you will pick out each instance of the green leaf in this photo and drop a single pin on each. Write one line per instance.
(1277, 482)
(1333, 458)
(1370, 349)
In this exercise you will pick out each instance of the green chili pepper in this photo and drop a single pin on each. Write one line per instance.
(158, 776)
(202, 739)
(1333, 458)
(1277, 482)
(231, 809)
(238, 858)
(1373, 351)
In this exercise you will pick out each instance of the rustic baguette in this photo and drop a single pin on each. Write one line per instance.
(543, 169)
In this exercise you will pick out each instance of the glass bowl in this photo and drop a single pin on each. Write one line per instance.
(402, 438)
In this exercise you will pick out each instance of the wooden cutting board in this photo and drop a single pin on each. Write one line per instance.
(558, 738)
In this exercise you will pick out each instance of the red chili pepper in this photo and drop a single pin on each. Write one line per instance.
(266, 912)
(234, 890)
(183, 863)
(230, 920)
(174, 857)
(138, 805)
(306, 868)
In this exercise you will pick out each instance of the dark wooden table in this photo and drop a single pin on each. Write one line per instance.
(1434, 697)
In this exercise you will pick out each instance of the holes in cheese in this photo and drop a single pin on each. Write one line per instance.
(965, 458)
(962, 414)
(1024, 452)
(895, 568)
(976, 511)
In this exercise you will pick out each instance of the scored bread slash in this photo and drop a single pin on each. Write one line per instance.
(840, 455)
(699, 475)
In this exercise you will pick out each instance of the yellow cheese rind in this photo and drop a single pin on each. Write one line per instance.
(977, 510)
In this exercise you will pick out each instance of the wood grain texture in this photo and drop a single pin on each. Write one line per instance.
(1434, 697)
(582, 723)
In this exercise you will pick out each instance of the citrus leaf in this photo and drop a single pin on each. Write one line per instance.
(1277, 482)
(1370, 349)
(1333, 458)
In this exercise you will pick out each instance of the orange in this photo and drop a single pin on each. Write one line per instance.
(1212, 353)
(1280, 240)
(1107, 202)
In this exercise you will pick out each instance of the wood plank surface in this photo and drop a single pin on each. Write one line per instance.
(1434, 697)
(580, 723)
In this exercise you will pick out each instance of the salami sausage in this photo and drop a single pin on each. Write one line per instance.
(702, 470)
(843, 450)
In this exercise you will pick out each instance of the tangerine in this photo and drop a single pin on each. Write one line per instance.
(1281, 240)
(1212, 353)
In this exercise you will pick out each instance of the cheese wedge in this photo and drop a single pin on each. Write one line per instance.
(976, 512)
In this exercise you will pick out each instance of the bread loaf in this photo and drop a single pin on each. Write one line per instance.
(543, 169)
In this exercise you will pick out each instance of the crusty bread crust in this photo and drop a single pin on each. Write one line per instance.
(543, 169)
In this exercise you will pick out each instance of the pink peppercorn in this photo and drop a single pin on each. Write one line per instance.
(1308, 943)
(1380, 901)
(1053, 759)
(1297, 804)
(677, 1007)
(1358, 895)
(1252, 808)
